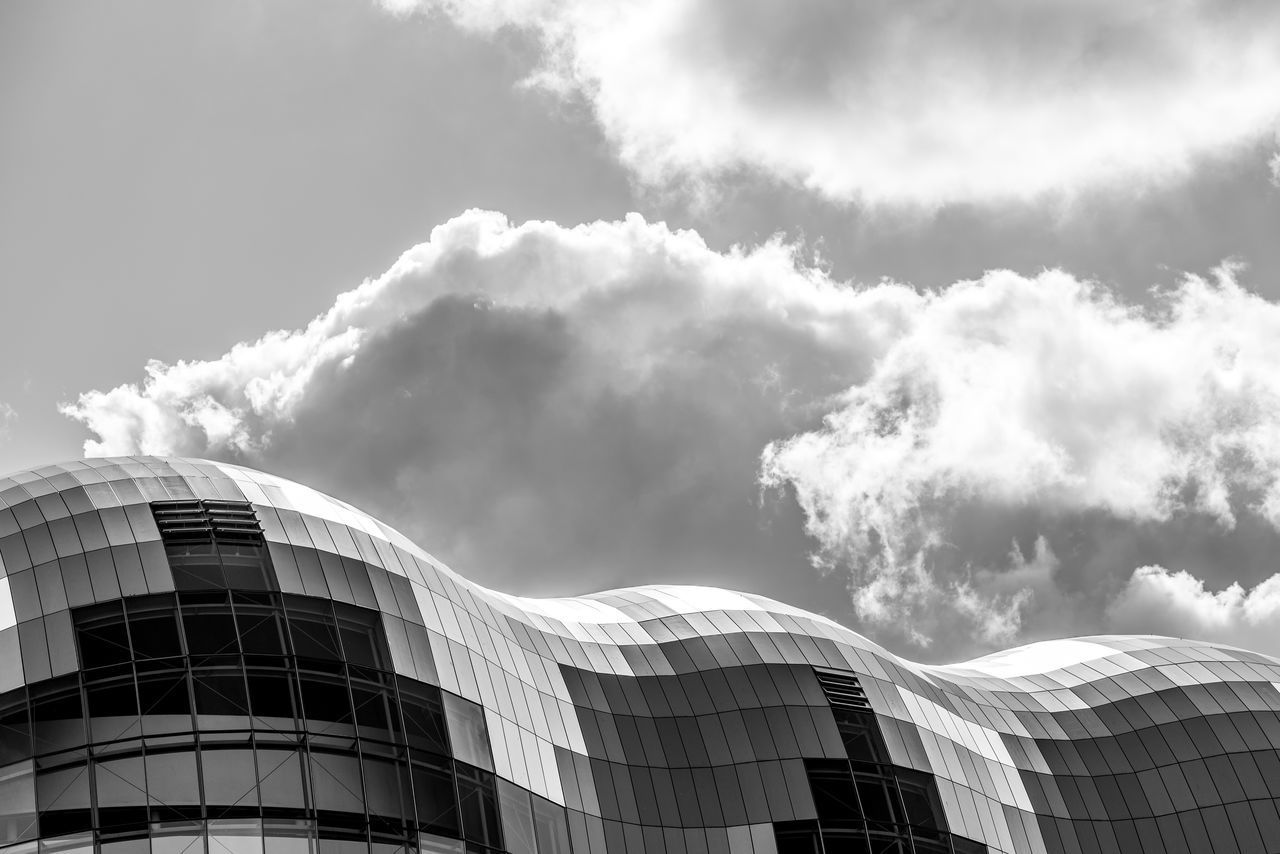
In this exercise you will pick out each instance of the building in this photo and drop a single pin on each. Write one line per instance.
(199, 657)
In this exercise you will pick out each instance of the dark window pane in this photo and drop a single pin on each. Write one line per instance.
(832, 787)
(797, 837)
(423, 716)
(313, 630)
(361, 632)
(211, 633)
(271, 696)
(335, 780)
(326, 700)
(62, 796)
(861, 736)
(113, 711)
(246, 567)
(879, 802)
(57, 719)
(165, 702)
(387, 789)
(261, 632)
(196, 566)
(920, 799)
(221, 694)
(155, 635)
(478, 804)
(434, 798)
(103, 641)
(15, 728)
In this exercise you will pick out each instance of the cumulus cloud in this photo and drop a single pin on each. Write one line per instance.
(1158, 601)
(551, 409)
(917, 103)
(1011, 395)
(554, 409)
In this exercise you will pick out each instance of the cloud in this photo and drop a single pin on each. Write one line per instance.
(8, 415)
(1042, 406)
(907, 103)
(1157, 601)
(1274, 165)
(557, 409)
(551, 409)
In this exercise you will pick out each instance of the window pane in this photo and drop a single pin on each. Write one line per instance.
(211, 633)
(165, 701)
(113, 711)
(155, 635)
(517, 818)
(467, 731)
(235, 837)
(121, 782)
(478, 804)
(387, 790)
(172, 779)
(221, 700)
(434, 799)
(280, 779)
(832, 787)
(229, 777)
(550, 826)
(335, 780)
(57, 719)
(423, 717)
(271, 698)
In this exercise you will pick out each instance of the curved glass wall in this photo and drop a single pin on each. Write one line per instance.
(251, 721)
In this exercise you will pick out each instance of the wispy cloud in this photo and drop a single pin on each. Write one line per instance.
(915, 103)
(8, 415)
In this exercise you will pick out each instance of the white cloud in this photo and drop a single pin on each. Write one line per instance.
(550, 408)
(912, 102)
(639, 294)
(1045, 393)
(559, 408)
(1157, 601)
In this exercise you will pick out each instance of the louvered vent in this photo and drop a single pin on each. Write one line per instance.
(842, 690)
(195, 522)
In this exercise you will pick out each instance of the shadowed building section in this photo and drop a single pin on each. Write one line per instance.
(197, 657)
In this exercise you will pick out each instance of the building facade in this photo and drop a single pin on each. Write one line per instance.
(196, 657)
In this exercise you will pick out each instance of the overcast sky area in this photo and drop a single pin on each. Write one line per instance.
(956, 322)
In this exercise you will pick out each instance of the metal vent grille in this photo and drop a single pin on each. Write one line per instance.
(191, 522)
(843, 690)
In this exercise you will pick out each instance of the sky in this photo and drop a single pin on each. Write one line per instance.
(958, 323)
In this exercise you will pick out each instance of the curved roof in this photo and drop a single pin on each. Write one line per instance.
(491, 647)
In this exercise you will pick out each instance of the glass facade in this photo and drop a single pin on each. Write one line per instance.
(196, 657)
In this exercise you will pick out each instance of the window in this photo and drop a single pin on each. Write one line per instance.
(214, 544)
